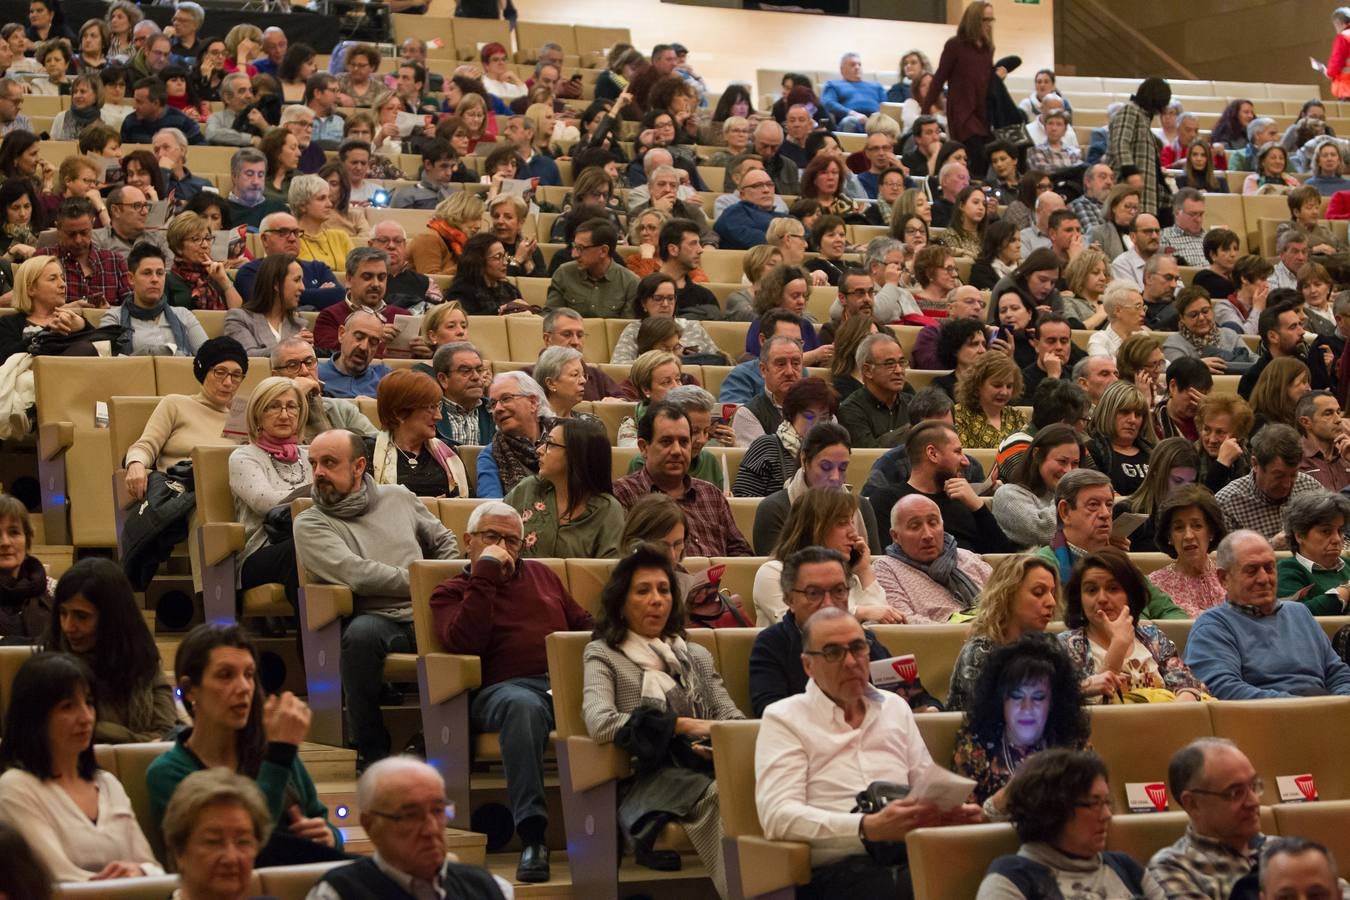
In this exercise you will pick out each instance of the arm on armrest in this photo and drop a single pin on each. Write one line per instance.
(451, 674)
(219, 539)
(55, 438)
(326, 603)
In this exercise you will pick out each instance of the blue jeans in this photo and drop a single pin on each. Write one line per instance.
(366, 641)
(521, 711)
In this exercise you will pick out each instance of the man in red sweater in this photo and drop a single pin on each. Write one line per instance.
(500, 610)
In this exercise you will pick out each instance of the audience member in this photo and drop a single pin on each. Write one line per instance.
(157, 328)
(465, 418)
(500, 610)
(772, 458)
(271, 313)
(1316, 573)
(1256, 501)
(97, 277)
(875, 413)
(406, 451)
(1188, 526)
(521, 414)
(568, 509)
(280, 235)
(351, 373)
(937, 469)
(593, 284)
(213, 828)
(925, 575)
(1326, 445)
(1024, 505)
(1120, 443)
(196, 281)
(1198, 336)
(781, 366)
(983, 415)
(656, 297)
(367, 279)
(294, 358)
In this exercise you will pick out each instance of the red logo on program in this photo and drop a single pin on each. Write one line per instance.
(906, 668)
(1157, 794)
(1306, 786)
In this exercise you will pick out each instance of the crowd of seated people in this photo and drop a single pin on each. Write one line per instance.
(1098, 296)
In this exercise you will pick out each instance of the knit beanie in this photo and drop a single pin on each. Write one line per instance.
(215, 351)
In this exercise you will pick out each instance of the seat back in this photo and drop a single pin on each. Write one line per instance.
(733, 661)
(1139, 837)
(1176, 629)
(211, 475)
(1321, 822)
(11, 658)
(1266, 730)
(126, 423)
(423, 577)
(566, 679)
(586, 578)
(935, 648)
(525, 337)
(291, 882)
(939, 735)
(455, 512)
(1169, 726)
(129, 763)
(743, 510)
(67, 389)
(734, 762)
(949, 863)
(489, 335)
(153, 888)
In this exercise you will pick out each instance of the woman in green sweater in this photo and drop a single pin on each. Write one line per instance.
(1317, 573)
(216, 669)
(568, 509)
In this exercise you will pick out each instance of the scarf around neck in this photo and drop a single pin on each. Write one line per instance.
(130, 310)
(386, 461)
(82, 117)
(29, 582)
(353, 505)
(204, 292)
(1199, 341)
(453, 237)
(943, 570)
(287, 451)
(792, 441)
(515, 457)
(666, 668)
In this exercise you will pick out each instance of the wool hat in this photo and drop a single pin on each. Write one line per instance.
(215, 351)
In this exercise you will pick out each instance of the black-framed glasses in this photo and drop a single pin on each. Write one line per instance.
(509, 541)
(834, 653)
(411, 817)
(296, 365)
(1096, 804)
(225, 374)
(818, 594)
(1236, 793)
(138, 207)
(286, 232)
(546, 443)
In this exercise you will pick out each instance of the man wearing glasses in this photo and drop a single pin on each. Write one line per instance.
(294, 358)
(592, 284)
(743, 225)
(404, 813)
(365, 536)
(815, 749)
(877, 413)
(501, 609)
(406, 288)
(1146, 234)
(280, 234)
(1217, 785)
(128, 209)
(248, 204)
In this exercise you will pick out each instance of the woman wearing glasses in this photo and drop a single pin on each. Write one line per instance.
(1124, 305)
(1122, 204)
(481, 284)
(181, 421)
(197, 281)
(271, 470)
(270, 315)
(654, 695)
(407, 451)
(656, 298)
(568, 510)
(236, 728)
(1060, 804)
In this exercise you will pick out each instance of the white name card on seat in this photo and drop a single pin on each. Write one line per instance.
(1146, 797)
(1296, 788)
(895, 670)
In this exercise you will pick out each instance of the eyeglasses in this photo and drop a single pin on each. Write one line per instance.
(296, 365)
(859, 293)
(286, 232)
(1238, 792)
(504, 398)
(757, 184)
(545, 444)
(1096, 804)
(225, 374)
(497, 257)
(138, 207)
(510, 541)
(887, 364)
(199, 239)
(581, 248)
(834, 653)
(390, 241)
(818, 595)
(290, 409)
(409, 818)
(467, 371)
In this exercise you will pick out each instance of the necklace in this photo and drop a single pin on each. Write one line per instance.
(409, 458)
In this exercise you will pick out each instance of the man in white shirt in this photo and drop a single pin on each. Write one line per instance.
(403, 810)
(1146, 234)
(817, 750)
(1036, 127)
(1292, 248)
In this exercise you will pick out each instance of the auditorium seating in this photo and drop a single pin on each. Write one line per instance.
(280, 882)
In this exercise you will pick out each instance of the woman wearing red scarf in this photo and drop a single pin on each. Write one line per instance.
(269, 471)
(197, 281)
(456, 219)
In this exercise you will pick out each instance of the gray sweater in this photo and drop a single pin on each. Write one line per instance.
(258, 483)
(371, 551)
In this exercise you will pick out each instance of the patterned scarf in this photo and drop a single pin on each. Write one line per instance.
(453, 237)
(204, 292)
(1199, 341)
(515, 456)
(943, 570)
(666, 668)
(792, 441)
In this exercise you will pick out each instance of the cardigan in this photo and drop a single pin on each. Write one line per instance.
(62, 836)
(178, 424)
(254, 332)
(1175, 675)
(329, 247)
(919, 597)
(258, 482)
(282, 778)
(1284, 654)
(594, 534)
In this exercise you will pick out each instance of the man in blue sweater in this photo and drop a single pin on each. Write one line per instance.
(280, 233)
(744, 224)
(1254, 646)
(850, 99)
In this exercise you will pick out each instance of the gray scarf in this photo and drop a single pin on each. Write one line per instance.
(353, 505)
(944, 571)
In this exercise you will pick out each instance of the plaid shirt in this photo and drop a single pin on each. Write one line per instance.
(461, 424)
(1089, 211)
(104, 286)
(1190, 247)
(1050, 159)
(1132, 143)
(1200, 867)
(712, 529)
(1246, 507)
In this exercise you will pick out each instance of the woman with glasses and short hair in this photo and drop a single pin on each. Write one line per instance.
(197, 281)
(407, 451)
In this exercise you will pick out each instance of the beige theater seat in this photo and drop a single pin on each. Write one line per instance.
(11, 658)
(154, 888)
(1323, 822)
(129, 763)
(755, 866)
(935, 648)
(949, 863)
(1116, 731)
(489, 335)
(939, 734)
(1273, 734)
(290, 882)
(733, 662)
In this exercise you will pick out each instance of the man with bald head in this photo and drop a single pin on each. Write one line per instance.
(953, 178)
(815, 747)
(403, 810)
(280, 234)
(364, 536)
(1255, 646)
(352, 373)
(744, 224)
(1146, 234)
(767, 141)
(1097, 183)
(924, 573)
(1037, 234)
(406, 288)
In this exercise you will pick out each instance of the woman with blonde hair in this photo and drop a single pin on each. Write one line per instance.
(1282, 384)
(271, 470)
(788, 236)
(1224, 421)
(1142, 362)
(76, 179)
(644, 231)
(544, 119)
(197, 281)
(1022, 596)
(1119, 438)
(983, 416)
(311, 203)
(739, 305)
(1087, 276)
(446, 323)
(457, 218)
(243, 44)
(653, 375)
(39, 299)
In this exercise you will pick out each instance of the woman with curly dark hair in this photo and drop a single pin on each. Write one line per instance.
(1230, 129)
(1026, 700)
(736, 100)
(1060, 804)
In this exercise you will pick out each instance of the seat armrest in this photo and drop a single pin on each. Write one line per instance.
(768, 866)
(592, 764)
(220, 540)
(326, 603)
(55, 438)
(450, 675)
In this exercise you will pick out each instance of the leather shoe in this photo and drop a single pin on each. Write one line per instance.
(657, 860)
(533, 865)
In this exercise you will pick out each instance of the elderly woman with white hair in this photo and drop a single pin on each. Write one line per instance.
(736, 137)
(521, 413)
(213, 829)
(561, 372)
(1124, 305)
(170, 147)
(311, 203)
(271, 470)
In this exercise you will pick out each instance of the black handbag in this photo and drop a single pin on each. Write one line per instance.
(874, 798)
(277, 524)
(80, 343)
